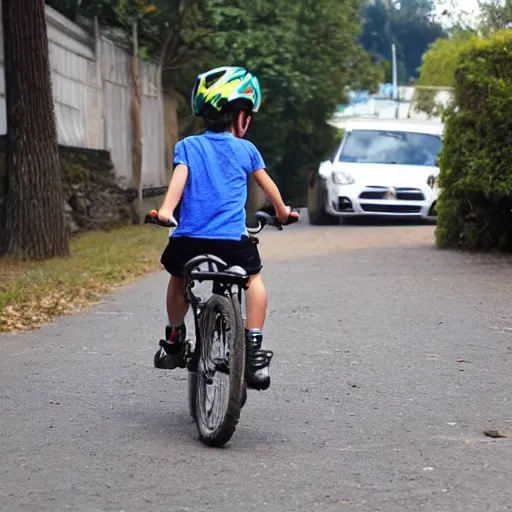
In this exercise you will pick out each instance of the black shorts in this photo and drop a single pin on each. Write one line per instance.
(179, 250)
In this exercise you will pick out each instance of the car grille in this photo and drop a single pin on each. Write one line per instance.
(402, 194)
(390, 208)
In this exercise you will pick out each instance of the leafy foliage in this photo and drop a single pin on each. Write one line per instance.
(438, 69)
(409, 24)
(476, 173)
(495, 15)
(117, 17)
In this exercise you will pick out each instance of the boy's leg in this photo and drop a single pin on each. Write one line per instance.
(256, 303)
(176, 306)
(172, 349)
(258, 360)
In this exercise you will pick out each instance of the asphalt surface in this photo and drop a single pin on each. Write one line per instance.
(391, 360)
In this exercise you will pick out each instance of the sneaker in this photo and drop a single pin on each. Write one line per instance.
(258, 361)
(173, 349)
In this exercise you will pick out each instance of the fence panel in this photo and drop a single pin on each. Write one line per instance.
(92, 98)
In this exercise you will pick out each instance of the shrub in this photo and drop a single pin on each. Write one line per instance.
(476, 160)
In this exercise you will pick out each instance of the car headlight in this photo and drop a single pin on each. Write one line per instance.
(342, 178)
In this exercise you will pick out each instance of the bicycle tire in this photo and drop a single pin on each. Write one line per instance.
(221, 431)
(192, 393)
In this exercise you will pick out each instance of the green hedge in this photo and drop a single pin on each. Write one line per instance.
(476, 160)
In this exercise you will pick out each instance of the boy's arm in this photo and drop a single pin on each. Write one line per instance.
(174, 192)
(266, 183)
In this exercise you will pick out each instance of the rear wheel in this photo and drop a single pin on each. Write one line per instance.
(220, 374)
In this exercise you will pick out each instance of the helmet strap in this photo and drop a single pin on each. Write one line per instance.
(241, 124)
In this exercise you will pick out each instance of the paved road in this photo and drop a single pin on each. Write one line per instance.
(392, 358)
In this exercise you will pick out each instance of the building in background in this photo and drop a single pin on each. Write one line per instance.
(382, 105)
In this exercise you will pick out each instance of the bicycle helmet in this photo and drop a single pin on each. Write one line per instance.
(221, 86)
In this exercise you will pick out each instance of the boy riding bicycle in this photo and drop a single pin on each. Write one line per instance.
(210, 178)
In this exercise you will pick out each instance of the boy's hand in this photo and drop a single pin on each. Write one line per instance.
(165, 215)
(283, 214)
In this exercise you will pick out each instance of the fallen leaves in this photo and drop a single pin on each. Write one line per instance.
(34, 293)
(28, 315)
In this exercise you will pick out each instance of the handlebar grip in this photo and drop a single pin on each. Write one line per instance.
(152, 218)
(265, 219)
(291, 218)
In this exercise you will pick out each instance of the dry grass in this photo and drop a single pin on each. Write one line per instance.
(34, 293)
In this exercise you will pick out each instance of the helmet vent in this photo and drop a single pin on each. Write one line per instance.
(211, 79)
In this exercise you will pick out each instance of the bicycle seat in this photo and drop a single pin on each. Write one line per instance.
(237, 270)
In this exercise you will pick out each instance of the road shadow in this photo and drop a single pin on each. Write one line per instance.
(170, 423)
(386, 221)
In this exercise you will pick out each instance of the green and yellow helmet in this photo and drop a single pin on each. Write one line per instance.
(221, 86)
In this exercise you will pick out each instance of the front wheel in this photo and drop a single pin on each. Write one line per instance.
(192, 394)
(220, 371)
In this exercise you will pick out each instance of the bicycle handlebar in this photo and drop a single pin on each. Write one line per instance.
(152, 218)
(264, 219)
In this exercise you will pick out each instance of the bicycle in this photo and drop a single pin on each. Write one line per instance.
(216, 365)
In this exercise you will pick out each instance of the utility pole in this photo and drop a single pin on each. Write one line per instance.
(395, 80)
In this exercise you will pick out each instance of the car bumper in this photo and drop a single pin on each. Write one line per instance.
(357, 201)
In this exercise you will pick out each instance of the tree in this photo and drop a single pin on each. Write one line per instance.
(440, 61)
(305, 54)
(439, 66)
(409, 24)
(495, 15)
(32, 220)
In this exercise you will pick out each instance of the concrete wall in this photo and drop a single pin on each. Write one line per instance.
(91, 90)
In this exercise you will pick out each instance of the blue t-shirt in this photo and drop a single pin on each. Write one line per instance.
(213, 203)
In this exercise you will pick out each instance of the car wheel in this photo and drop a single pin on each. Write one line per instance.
(432, 214)
(320, 218)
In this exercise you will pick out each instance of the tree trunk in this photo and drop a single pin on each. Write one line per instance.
(32, 218)
(136, 123)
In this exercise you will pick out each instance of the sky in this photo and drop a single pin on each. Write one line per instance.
(463, 6)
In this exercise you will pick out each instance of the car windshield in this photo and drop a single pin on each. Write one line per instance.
(390, 147)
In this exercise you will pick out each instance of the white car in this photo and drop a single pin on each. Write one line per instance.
(381, 168)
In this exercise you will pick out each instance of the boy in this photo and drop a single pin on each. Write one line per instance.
(210, 176)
